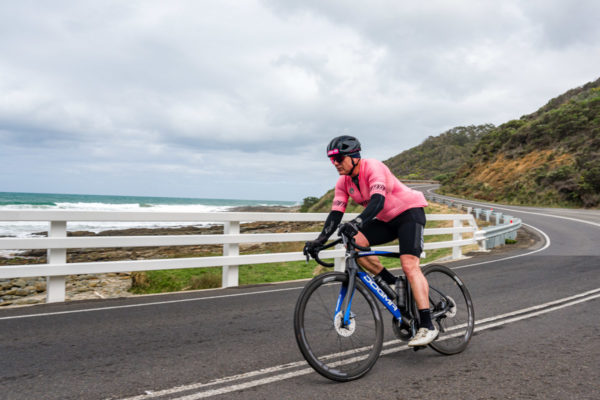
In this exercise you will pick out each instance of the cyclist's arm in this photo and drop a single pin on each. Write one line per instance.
(375, 177)
(373, 208)
(331, 223)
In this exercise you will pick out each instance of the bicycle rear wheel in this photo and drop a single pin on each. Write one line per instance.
(456, 324)
(336, 352)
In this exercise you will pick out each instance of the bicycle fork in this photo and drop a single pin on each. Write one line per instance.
(373, 287)
(344, 290)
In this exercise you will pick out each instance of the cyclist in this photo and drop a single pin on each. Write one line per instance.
(392, 211)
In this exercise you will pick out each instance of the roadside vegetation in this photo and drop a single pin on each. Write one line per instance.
(548, 158)
(439, 155)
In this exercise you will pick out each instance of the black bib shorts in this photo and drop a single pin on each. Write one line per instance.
(407, 228)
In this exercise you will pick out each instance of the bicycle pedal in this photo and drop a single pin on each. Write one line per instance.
(417, 348)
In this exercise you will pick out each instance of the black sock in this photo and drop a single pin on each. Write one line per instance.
(387, 276)
(425, 319)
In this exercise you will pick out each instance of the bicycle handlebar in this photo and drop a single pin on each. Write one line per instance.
(347, 241)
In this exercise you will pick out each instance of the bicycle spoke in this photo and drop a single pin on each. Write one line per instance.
(336, 351)
(450, 299)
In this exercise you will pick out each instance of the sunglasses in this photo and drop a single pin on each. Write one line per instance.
(338, 158)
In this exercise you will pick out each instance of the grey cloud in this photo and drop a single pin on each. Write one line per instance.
(222, 95)
(564, 23)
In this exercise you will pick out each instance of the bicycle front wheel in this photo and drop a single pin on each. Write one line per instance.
(451, 309)
(341, 353)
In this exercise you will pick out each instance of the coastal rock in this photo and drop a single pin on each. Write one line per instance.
(27, 300)
(9, 292)
(24, 292)
(20, 283)
(77, 288)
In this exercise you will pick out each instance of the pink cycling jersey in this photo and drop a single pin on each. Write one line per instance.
(376, 178)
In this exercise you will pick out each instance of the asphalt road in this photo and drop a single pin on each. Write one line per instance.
(537, 336)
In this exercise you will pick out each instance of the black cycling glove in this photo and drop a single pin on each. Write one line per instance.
(351, 228)
(312, 247)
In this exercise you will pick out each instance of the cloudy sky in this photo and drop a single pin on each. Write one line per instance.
(238, 99)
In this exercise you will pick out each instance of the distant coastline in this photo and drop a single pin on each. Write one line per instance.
(61, 201)
(79, 202)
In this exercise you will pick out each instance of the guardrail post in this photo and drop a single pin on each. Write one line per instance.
(508, 220)
(498, 218)
(456, 250)
(231, 272)
(487, 215)
(56, 285)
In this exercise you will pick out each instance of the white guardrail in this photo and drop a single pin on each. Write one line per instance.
(57, 243)
(491, 236)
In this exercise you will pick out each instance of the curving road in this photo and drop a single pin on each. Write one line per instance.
(538, 336)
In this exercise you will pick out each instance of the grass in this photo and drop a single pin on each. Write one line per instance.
(202, 278)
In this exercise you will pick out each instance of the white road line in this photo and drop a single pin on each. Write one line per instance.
(223, 296)
(500, 207)
(239, 377)
(481, 325)
(535, 314)
(546, 238)
(554, 216)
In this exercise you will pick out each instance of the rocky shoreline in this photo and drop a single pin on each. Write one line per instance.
(24, 291)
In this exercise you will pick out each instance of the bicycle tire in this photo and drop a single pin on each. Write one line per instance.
(337, 356)
(456, 327)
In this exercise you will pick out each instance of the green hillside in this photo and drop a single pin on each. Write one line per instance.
(435, 158)
(323, 204)
(550, 157)
(439, 155)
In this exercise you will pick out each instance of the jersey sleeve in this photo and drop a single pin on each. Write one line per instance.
(376, 178)
(340, 198)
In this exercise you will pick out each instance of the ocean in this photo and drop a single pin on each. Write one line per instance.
(79, 202)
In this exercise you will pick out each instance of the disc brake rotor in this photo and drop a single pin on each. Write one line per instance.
(347, 330)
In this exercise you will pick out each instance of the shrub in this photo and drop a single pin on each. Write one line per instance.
(308, 203)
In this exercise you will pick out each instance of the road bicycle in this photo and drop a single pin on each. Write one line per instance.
(339, 327)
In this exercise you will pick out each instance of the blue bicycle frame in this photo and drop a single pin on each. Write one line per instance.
(369, 283)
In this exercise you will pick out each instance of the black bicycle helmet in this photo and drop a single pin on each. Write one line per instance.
(344, 145)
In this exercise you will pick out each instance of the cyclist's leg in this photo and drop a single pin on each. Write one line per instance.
(410, 225)
(370, 263)
(373, 233)
(412, 269)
